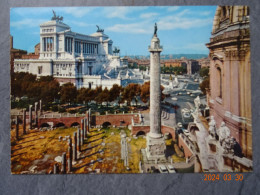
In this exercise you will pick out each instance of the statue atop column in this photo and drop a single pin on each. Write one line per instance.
(155, 29)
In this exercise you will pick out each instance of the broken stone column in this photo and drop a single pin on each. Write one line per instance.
(17, 128)
(124, 150)
(24, 121)
(36, 113)
(87, 129)
(79, 140)
(70, 142)
(75, 147)
(82, 123)
(30, 116)
(70, 159)
(84, 128)
(40, 106)
(82, 137)
(55, 169)
(63, 163)
(89, 116)
(87, 124)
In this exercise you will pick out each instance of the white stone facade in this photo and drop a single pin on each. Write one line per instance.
(73, 57)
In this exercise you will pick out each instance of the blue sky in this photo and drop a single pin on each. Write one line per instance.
(181, 29)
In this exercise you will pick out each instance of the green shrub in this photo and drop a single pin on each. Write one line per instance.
(61, 110)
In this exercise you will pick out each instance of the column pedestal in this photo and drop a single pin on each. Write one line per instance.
(155, 148)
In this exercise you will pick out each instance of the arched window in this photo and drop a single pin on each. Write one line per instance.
(219, 82)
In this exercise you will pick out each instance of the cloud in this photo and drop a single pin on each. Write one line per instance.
(149, 15)
(173, 8)
(121, 12)
(134, 28)
(179, 21)
(30, 11)
(27, 23)
(204, 13)
(78, 23)
(77, 12)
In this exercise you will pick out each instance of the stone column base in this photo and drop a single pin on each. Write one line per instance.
(155, 149)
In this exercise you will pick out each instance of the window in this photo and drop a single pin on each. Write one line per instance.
(90, 70)
(39, 69)
(219, 82)
(224, 12)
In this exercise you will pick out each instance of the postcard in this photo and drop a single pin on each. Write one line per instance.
(147, 89)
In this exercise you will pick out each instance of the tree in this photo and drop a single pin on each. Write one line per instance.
(131, 91)
(204, 84)
(105, 96)
(98, 94)
(68, 93)
(145, 92)
(20, 82)
(82, 95)
(91, 95)
(33, 90)
(49, 89)
(204, 72)
(142, 68)
(179, 70)
(46, 79)
(114, 92)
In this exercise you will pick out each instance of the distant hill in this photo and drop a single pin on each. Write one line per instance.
(172, 56)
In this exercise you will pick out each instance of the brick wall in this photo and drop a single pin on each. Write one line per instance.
(67, 121)
(114, 119)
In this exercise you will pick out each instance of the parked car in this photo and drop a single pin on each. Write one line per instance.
(154, 170)
(162, 169)
(171, 169)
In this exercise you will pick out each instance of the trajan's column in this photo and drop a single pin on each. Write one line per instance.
(155, 145)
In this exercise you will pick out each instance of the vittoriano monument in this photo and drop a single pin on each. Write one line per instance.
(155, 145)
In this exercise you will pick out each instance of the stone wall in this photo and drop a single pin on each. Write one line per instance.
(186, 145)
